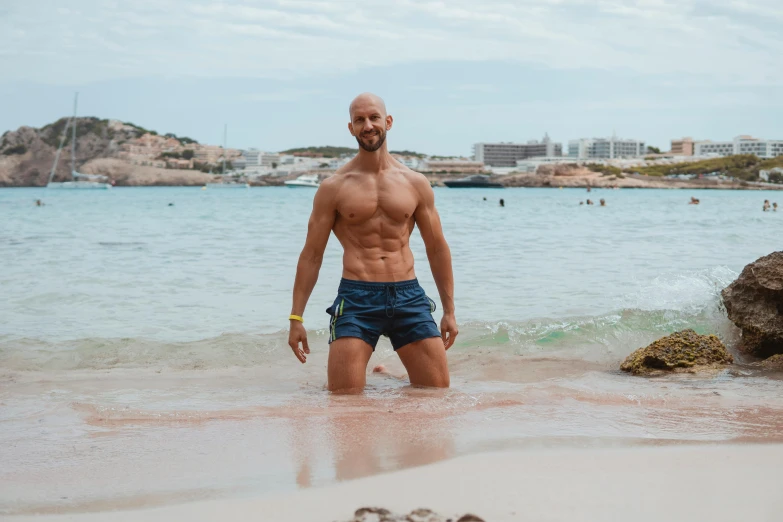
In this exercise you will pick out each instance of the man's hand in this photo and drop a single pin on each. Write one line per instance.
(448, 329)
(297, 334)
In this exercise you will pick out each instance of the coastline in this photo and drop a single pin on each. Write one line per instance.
(686, 482)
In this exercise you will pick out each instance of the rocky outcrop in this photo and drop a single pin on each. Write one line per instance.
(681, 351)
(754, 302)
(125, 174)
(372, 514)
(27, 155)
(774, 363)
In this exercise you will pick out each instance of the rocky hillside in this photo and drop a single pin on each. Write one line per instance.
(27, 154)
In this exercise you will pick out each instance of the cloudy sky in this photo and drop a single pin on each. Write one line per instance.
(282, 73)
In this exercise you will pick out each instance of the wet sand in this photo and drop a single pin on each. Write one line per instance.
(715, 482)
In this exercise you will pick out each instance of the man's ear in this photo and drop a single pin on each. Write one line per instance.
(350, 128)
(389, 122)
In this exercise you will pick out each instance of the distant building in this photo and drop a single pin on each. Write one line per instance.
(207, 154)
(507, 154)
(740, 145)
(270, 159)
(713, 148)
(252, 157)
(605, 148)
(682, 147)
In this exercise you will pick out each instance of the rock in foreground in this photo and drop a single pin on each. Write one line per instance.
(754, 302)
(372, 514)
(681, 351)
(774, 363)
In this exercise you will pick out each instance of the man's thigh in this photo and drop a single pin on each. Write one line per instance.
(425, 361)
(347, 367)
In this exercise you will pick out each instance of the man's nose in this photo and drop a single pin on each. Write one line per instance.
(367, 126)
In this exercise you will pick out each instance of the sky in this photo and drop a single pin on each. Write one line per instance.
(281, 74)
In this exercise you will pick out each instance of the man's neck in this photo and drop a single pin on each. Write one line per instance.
(375, 161)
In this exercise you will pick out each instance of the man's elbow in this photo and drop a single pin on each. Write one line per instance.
(311, 257)
(438, 249)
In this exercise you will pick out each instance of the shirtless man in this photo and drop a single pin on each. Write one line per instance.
(372, 204)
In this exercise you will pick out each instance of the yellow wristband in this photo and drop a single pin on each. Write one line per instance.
(293, 317)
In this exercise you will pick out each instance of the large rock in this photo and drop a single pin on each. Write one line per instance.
(774, 363)
(681, 351)
(754, 302)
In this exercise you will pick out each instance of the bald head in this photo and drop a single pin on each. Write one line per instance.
(369, 121)
(367, 101)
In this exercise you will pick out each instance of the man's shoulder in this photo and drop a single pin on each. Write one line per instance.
(416, 179)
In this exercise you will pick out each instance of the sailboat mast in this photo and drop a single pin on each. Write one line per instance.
(73, 135)
(225, 132)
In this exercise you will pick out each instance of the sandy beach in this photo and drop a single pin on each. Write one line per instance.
(673, 483)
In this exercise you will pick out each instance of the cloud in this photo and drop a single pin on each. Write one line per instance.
(733, 42)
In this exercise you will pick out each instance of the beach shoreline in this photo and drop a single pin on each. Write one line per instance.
(717, 482)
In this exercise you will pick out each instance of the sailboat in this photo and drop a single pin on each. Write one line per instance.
(80, 181)
(225, 183)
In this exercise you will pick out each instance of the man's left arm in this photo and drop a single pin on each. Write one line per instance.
(439, 256)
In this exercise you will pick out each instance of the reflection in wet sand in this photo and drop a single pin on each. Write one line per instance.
(72, 435)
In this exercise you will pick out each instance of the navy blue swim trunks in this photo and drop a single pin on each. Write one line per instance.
(401, 311)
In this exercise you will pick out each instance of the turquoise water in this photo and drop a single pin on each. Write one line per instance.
(147, 341)
(123, 263)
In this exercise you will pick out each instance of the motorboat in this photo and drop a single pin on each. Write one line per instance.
(474, 181)
(306, 180)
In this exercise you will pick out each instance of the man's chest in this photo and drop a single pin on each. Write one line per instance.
(373, 200)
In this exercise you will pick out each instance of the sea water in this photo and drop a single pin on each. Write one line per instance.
(144, 357)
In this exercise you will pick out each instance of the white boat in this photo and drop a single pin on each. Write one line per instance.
(306, 180)
(80, 181)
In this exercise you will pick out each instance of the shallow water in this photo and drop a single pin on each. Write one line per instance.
(143, 358)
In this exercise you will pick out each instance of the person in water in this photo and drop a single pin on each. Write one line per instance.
(502, 203)
(774, 207)
(372, 205)
(589, 201)
(603, 202)
(766, 205)
(693, 201)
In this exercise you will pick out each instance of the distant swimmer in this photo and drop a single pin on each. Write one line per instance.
(171, 204)
(372, 204)
(485, 198)
(39, 203)
(589, 201)
(581, 202)
(603, 203)
(766, 205)
(693, 201)
(502, 203)
(588, 188)
(774, 207)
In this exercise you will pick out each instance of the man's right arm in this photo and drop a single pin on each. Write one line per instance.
(318, 229)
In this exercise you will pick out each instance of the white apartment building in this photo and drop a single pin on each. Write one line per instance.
(252, 157)
(740, 145)
(268, 159)
(605, 148)
(507, 154)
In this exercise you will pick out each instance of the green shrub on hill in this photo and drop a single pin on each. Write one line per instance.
(18, 149)
(327, 151)
(741, 166)
(606, 170)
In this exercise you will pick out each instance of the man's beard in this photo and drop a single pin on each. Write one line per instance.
(373, 148)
